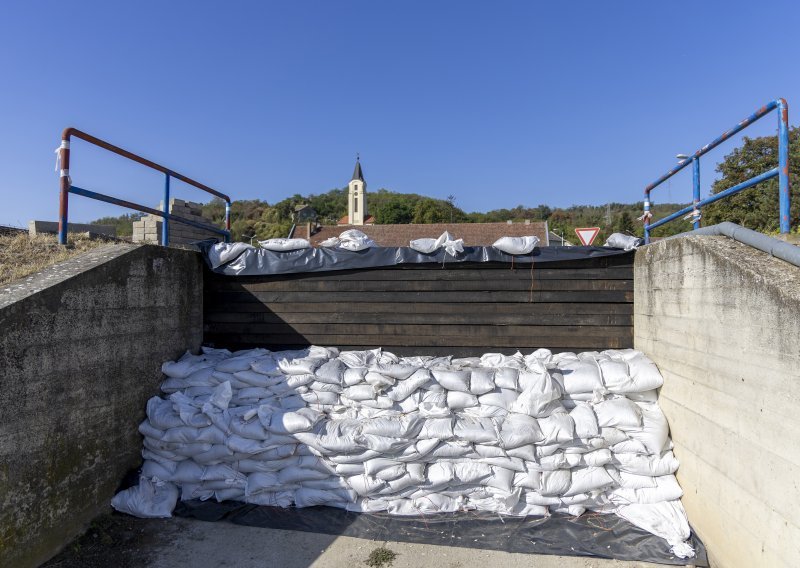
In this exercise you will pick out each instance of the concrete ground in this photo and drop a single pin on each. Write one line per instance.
(189, 543)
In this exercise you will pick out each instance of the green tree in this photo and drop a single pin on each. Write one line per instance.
(624, 223)
(757, 207)
(394, 211)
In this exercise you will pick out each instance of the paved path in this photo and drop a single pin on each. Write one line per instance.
(188, 543)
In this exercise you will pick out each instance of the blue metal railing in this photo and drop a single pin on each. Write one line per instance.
(781, 172)
(66, 188)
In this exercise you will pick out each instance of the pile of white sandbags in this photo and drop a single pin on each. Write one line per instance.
(369, 431)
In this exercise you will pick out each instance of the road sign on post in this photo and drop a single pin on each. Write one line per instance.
(587, 235)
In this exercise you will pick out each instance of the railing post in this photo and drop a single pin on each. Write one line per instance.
(64, 183)
(165, 219)
(696, 184)
(228, 221)
(783, 166)
(646, 217)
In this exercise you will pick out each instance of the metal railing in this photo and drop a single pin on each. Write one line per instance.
(66, 188)
(781, 172)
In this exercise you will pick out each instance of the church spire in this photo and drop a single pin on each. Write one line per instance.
(357, 173)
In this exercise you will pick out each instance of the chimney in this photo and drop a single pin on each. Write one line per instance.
(510, 222)
(527, 221)
(308, 230)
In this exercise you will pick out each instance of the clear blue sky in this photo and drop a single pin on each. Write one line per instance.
(498, 103)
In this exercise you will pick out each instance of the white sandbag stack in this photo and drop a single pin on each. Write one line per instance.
(369, 431)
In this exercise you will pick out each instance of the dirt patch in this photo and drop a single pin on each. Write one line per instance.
(22, 255)
(113, 540)
(381, 557)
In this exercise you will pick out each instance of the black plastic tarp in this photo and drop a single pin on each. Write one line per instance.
(594, 535)
(239, 259)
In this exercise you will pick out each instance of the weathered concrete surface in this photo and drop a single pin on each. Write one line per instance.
(80, 351)
(196, 544)
(722, 321)
(51, 227)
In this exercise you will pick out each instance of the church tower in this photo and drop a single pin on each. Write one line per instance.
(357, 197)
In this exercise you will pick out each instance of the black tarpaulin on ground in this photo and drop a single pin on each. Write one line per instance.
(591, 534)
(240, 259)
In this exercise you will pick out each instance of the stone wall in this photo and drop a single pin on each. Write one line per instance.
(148, 229)
(722, 321)
(81, 345)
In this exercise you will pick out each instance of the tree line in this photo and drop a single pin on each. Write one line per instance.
(755, 208)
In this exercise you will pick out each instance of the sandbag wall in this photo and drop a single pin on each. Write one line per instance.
(461, 309)
(370, 431)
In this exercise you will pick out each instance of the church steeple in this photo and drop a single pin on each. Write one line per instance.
(357, 173)
(357, 196)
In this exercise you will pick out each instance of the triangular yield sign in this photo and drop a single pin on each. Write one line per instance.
(587, 235)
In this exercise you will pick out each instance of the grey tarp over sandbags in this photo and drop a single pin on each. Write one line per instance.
(369, 431)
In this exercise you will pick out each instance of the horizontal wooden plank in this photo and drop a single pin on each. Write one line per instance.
(213, 306)
(393, 330)
(454, 317)
(498, 284)
(438, 275)
(431, 297)
(444, 342)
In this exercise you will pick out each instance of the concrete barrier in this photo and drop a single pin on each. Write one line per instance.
(80, 351)
(51, 227)
(722, 321)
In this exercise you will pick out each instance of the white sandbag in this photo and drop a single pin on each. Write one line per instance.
(505, 376)
(189, 435)
(556, 482)
(516, 245)
(355, 240)
(353, 376)
(539, 396)
(148, 500)
(407, 426)
(403, 388)
(331, 372)
(513, 464)
(586, 425)
(664, 464)
(460, 400)
(378, 381)
(667, 520)
(284, 245)
(360, 392)
(500, 397)
(475, 430)
(283, 422)
(501, 478)
(266, 366)
(587, 479)
(666, 489)
(305, 366)
(654, 433)
(519, 430)
(618, 413)
(272, 499)
(528, 479)
(557, 428)
(578, 374)
(452, 380)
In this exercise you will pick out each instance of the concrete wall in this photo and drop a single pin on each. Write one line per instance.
(81, 345)
(722, 321)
